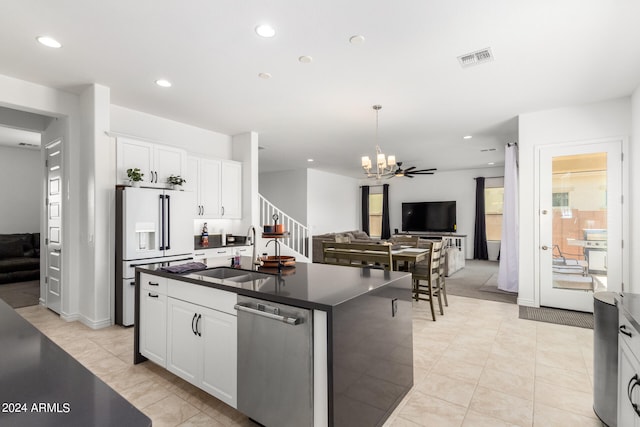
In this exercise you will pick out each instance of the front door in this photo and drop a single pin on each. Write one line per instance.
(53, 240)
(580, 217)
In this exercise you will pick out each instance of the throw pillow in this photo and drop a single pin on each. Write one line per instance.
(11, 249)
(360, 235)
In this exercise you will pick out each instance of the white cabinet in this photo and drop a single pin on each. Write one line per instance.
(202, 341)
(224, 253)
(157, 162)
(231, 192)
(628, 374)
(153, 318)
(218, 186)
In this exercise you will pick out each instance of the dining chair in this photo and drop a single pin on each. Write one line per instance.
(429, 274)
(442, 286)
(405, 240)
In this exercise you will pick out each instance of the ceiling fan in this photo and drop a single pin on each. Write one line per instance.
(409, 172)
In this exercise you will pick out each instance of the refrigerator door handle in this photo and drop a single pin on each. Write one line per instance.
(168, 222)
(162, 222)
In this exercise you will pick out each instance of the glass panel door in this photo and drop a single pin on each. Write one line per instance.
(580, 221)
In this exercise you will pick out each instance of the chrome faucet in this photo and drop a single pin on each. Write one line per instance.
(251, 236)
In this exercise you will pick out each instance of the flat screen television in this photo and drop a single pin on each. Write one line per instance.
(437, 217)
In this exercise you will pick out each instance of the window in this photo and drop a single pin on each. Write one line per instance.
(493, 203)
(375, 215)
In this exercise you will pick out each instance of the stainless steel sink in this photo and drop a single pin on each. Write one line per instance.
(232, 274)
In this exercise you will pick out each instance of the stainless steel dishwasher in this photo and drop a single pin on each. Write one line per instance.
(275, 363)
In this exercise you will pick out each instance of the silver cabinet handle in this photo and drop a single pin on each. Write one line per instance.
(545, 247)
(287, 320)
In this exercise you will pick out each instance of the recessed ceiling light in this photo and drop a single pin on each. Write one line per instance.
(309, 160)
(265, 31)
(491, 163)
(49, 42)
(356, 39)
(265, 76)
(163, 83)
(467, 137)
(305, 59)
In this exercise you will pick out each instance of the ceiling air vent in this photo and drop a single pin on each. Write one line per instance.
(475, 58)
(26, 144)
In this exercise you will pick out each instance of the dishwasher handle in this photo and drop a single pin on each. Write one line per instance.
(284, 319)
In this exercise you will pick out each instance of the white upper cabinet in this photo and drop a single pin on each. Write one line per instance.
(218, 186)
(231, 190)
(157, 162)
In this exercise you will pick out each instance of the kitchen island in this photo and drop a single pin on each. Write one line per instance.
(42, 385)
(360, 361)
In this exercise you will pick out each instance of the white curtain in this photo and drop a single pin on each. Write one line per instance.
(508, 270)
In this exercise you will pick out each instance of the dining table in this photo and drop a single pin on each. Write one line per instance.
(408, 255)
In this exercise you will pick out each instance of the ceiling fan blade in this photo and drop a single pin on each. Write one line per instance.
(421, 173)
(424, 170)
(409, 176)
(408, 169)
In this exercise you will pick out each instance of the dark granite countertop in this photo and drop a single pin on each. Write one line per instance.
(35, 371)
(315, 286)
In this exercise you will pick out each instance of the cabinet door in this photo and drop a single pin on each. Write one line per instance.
(168, 161)
(627, 369)
(219, 334)
(153, 326)
(209, 182)
(184, 350)
(191, 175)
(132, 154)
(231, 190)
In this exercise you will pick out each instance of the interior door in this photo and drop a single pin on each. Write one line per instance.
(53, 240)
(580, 223)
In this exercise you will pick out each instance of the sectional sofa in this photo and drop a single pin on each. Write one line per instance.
(19, 257)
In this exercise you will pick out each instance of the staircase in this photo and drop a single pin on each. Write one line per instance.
(299, 239)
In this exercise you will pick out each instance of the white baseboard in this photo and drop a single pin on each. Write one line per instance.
(97, 324)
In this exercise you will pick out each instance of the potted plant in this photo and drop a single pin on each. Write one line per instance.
(135, 176)
(176, 181)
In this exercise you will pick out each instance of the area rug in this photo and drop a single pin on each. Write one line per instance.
(479, 279)
(21, 294)
(558, 316)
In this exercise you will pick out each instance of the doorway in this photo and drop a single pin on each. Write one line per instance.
(580, 223)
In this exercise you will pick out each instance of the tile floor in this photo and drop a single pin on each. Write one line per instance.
(478, 365)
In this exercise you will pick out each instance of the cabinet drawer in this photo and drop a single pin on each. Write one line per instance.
(212, 253)
(215, 299)
(152, 283)
(628, 333)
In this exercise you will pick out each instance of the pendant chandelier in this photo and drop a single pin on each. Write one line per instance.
(384, 164)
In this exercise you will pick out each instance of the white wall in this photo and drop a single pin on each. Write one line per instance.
(20, 173)
(633, 243)
(164, 131)
(585, 122)
(333, 202)
(442, 186)
(288, 191)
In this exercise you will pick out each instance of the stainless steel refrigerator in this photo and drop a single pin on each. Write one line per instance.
(153, 227)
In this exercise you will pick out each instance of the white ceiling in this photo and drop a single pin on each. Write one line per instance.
(17, 138)
(548, 54)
